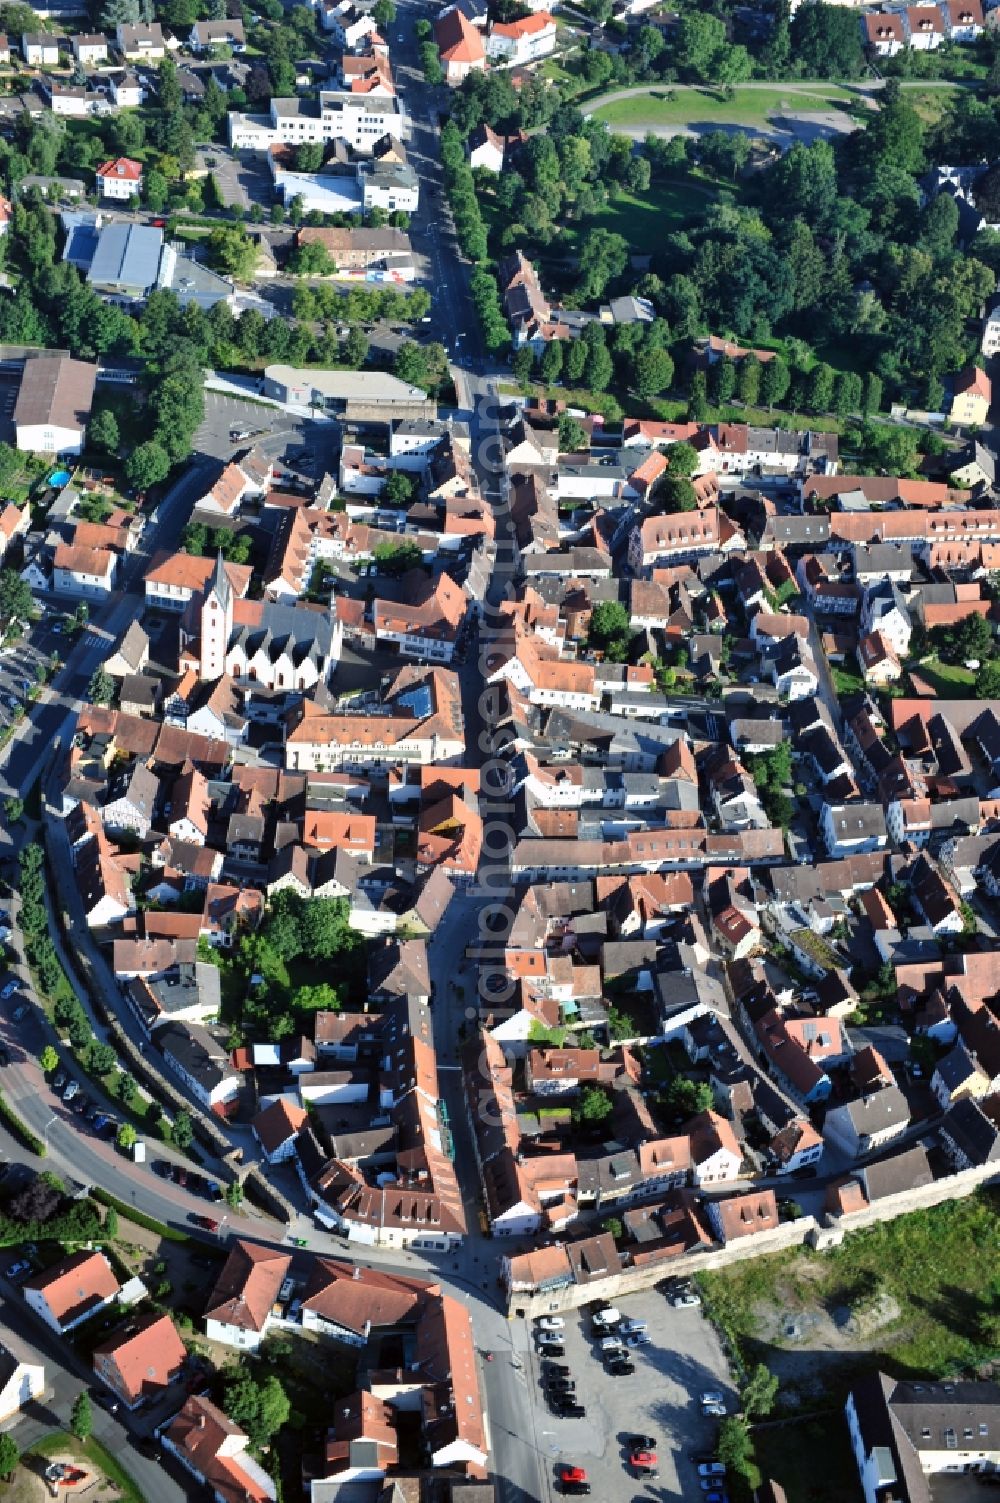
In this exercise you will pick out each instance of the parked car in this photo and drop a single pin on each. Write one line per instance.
(72, 1089)
(547, 1339)
(640, 1442)
(9, 989)
(554, 1349)
(59, 1079)
(20, 1012)
(558, 1369)
(19, 1270)
(561, 1385)
(574, 1489)
(643, 1456)
(620, 1367)
(570, 1473)
(712, 1469)
(180, 1174)
(638, 1338)
(717, 1410)
(715, 1497)
(209, 1223)
(570, 1410)
(713, 1396)
(685, 1301)
(163, 1167)
(551, 1323)
(80, 1104)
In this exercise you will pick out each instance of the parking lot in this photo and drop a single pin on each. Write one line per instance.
(661, 1399)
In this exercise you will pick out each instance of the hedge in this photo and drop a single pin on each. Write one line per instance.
(20, 1128)
(138, 1217)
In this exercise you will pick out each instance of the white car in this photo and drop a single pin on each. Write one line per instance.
(712, 1396)
(551, 1323)
(9, 989)
(638, 1338)
(712, 1469)
(717, 1410)
(686, 1301)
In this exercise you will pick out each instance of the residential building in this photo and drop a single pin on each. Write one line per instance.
(141, 1359)
(460, 46)
(971, 397)
(72, 1290)
(22, 1376)
(119, 180)
(241, 1306)
(905, 1432)
(215, 1452)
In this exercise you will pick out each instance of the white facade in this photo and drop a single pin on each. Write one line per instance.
(49, 438)
(40, 52)
(990, 343)
(85, 586)
(25, 1383)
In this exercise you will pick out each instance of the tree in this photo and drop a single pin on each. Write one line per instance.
(81, 1420)
(111, 1223)
(320, 997)
(593, 1104)
(234, 1195)
(689, 1096)
(970, 638)
(613, 1227)
(551, 365)
(653, 371)
(101, 688)
(126, 1088)
(988, 680)
(700, 40)
(572, 435)
(48, 1059)
(698, 398)
(722, 380)
(398, 489)
(603, 256)
(355, 351)
(147, 465)
(99, 1058)
(825, 43)
(259, 1408)
(16, 599)
(759, 1392)
(311, 260)
(183, 1132)
(14, 810)
(775, 379)
(576, 360)
(127, 1137)
(383, 13)
(821, 379)
(599, 367)
(233, 252)
(609, 625)
(748, 380)
(9, 1456)
(325, 928)
(103, 431)
(871, 399)
(410, 364)
(735, 1450)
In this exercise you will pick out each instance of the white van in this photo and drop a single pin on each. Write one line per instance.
(609, 1344)
(606, 1318)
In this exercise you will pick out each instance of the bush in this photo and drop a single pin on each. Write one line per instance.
(20, 1128)
(138, 1218)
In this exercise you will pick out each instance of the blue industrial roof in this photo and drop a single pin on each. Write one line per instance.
(127, 256)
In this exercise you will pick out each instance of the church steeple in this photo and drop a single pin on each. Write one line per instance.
(216, 622)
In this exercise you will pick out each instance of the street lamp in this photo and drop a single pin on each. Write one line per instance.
(45, 1130)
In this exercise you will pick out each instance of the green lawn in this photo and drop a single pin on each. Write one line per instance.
(644, 219)
(939, 1265)
(706, 108)
(946, 680)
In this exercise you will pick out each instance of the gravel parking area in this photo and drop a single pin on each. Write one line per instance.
(661, 1398)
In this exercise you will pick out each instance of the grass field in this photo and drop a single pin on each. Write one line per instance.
(946, 680)
(644, 219)
(706, 108)
(939, 1265)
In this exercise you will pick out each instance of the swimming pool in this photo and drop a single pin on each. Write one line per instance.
(59, 477)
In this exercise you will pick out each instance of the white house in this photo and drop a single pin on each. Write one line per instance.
(859, 1127)
(486, 149)
(88, 573)
(924, 26)
(853, 829)
(523, 41)
(126, 91)
(963, 20)
(22, 1378)
(990, 342)
(225, 33)
(715, 1153)
(201, 1062)
(241, 1307)
(41, 50)
(72, 1290)
(883, 34)
(142, 43)
(120, 180)
(89, 49)
(902, 1433)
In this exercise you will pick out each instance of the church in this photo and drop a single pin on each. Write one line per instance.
(280, 647)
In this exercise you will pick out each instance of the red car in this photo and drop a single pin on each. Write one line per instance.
(205, 1221)
(572, 1474)
(158, 224)
(643, 1458)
